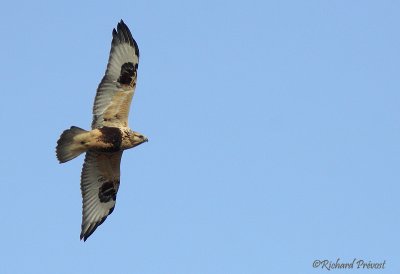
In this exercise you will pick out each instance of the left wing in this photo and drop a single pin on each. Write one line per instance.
(99, 186)
(116, 89)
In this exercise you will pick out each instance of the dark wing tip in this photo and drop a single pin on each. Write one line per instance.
(87, 231)
(124, 35)
(85, 234)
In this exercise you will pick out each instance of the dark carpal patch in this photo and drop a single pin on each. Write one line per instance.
(113, 136)
(128, 71)
(107, 192)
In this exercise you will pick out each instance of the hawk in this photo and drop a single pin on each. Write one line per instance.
(110, 134)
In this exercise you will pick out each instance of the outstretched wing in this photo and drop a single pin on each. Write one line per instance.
(114, 94)
(99, 186)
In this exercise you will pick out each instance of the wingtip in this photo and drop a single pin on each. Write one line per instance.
(122, 23)
(86, 232)
(122, 27)
(85, 236)
(122, 34)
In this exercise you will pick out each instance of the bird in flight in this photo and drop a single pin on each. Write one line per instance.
(110, 134)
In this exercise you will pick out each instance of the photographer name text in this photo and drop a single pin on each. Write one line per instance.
(354, 264)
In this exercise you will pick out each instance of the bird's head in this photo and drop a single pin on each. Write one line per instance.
(137, 138)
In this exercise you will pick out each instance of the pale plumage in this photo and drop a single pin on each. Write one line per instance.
(114, 94)
(110, 134)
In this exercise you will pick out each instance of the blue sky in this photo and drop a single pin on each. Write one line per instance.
(273, 128)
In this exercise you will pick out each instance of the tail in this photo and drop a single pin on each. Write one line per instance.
(67, 147)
